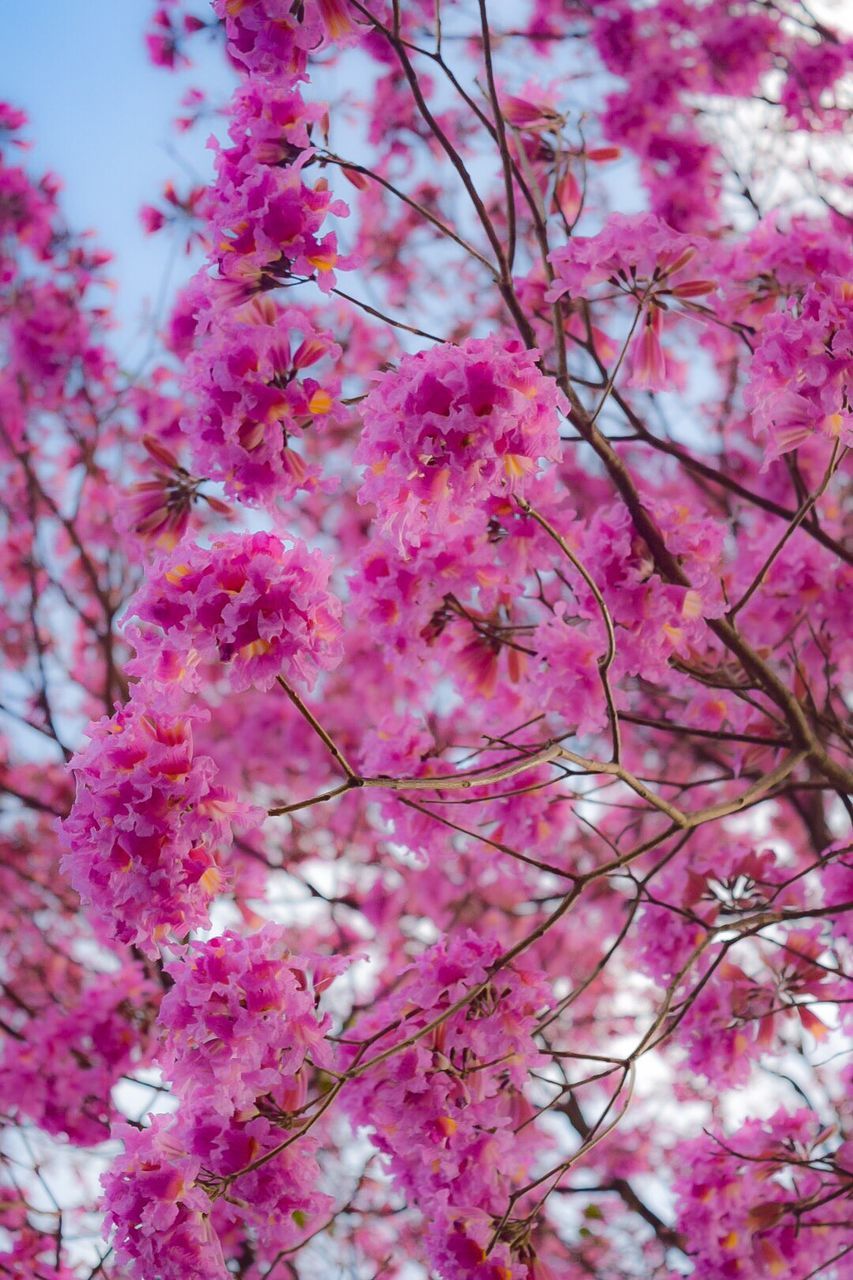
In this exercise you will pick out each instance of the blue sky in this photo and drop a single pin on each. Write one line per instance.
(100, 118)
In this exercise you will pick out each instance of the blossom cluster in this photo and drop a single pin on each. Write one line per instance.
(61, 1070)
(270, 35)
(253, 400)
(147, 830)
(477, 421)
(640, 256)
(266, 227)
(736, 1198)
(240, 1036)
(446, 1107)
(248, 602)
(801, 372)
(265, 218)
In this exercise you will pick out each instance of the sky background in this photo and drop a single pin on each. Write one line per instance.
(100, 119)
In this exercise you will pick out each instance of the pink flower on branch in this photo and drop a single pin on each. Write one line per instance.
(259, 608)
(451, 430)
(148, 828)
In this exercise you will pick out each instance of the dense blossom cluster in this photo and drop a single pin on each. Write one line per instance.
(240, 1021)
(240, 1035)
(148, 828)
(736, 1198)
(476, 422)
(458, 880)
(254, 400)
(249, 602)
(60, 1073)
(802, 369)
(449, 1109)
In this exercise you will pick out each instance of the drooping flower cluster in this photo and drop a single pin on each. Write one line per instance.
(769, 1199)
(641, 257)
(267, 227)
(241, 1034)
(446, 1108)
(271, 35)
(146, 832)
(451, 430)
(161, 1218)
(248, 602)
(241, 1019)
(254, 402)
(802, 369)
(60, 1071)
(266, 219)
(158, 510)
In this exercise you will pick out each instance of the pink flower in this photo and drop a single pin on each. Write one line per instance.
(262, 378)
(647, 358)
(146, 828)
(161, 1218)
(452, 428)
(71, 1053)
(636, 253)
(240, 1021)
(801, 371)
(446, 1109)
(247, 601)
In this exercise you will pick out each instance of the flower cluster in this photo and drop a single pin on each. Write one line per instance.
(240, 1034)
(634, 252)
(450, 430)
(146, 829)
(266, 219)
(270, 35)
(802, 368)
(641, 257)
(240, 1020)
(60, 1072)
(767, 1200)
(248, 602)
(253, 399)
(446, 1108)
(27, 209)
(161, 1218)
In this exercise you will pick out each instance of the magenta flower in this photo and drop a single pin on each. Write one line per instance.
(147, 828)
(262, 379)
(248, 602)
(451, 429)
(240, 1021)
(446, 1110)
(802, 368)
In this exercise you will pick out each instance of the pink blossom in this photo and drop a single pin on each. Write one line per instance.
(240, 1021)
(249, 602)
(801, 370)
(477, 418)
(261, 381)
(160, 1216)
(145, 833)
(443, 1109)
(61, 1071)
(737, 1193)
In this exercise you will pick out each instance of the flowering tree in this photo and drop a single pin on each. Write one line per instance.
(454, 876)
